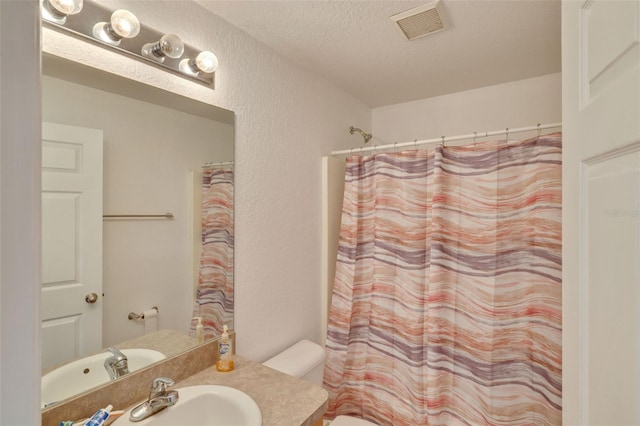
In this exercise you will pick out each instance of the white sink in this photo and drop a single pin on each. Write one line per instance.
(206, 405)
(86, 373)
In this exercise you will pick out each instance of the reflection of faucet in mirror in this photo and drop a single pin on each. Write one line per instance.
(116, 364)
(159, 399)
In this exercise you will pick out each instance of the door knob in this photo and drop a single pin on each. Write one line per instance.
(91, 298)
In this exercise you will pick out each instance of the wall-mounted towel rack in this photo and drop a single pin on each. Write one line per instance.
(164, 216)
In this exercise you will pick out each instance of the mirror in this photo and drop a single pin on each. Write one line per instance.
(155, 147)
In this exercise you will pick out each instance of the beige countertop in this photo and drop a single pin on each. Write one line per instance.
(283, 400)
(168, 342)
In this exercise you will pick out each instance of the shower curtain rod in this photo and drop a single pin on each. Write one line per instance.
(445, 139)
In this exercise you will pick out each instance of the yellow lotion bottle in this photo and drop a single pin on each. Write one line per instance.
(199, 331)
(224, 363)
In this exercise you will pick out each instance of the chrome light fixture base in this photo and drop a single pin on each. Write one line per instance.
(82, 25)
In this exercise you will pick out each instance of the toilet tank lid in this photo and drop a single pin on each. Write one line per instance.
(299, 359)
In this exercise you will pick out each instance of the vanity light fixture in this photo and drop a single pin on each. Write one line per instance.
(169, 45)
(58, 10)
(205, 62)
(122, 32)
(123, 24)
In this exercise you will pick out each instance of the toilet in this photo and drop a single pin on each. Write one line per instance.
(305, 360)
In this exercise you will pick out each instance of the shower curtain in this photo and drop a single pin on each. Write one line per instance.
(214, 298)
(446, 308)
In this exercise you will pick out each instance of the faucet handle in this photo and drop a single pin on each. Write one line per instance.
(160, 384)
(117, 354)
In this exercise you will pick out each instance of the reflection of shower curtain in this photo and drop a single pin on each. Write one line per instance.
(214, 298)
(446, 307)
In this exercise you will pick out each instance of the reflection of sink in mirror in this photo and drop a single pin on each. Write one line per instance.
(206, 405)
(86, 373)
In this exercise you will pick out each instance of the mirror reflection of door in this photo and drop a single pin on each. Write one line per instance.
(71, 308)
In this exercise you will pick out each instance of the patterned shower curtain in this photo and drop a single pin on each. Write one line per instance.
(214, 298)
(446, 307)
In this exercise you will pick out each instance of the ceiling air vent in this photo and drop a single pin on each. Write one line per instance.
(421, 21)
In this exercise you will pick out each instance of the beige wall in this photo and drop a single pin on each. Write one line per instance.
(515, 104)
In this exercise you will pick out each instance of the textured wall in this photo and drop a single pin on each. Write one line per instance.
(287, 118)
(520, 103)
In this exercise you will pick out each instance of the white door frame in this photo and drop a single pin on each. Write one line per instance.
(20, 118)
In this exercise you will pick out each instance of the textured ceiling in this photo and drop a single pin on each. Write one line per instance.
(355, 45)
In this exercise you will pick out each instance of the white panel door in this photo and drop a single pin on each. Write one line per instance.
(71, 242)
(601, 212)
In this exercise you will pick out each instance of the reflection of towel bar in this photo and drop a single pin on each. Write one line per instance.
(166, 215)
(134, 316)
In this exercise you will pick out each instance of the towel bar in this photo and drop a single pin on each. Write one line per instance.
(165, 216)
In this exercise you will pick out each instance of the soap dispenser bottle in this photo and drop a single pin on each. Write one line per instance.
(224, 363)
(199, 331)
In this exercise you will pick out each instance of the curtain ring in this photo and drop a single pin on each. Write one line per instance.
(395, 146)
(539, 130)
(475, 135)
(415, 143)
(507, 135)
(442, 141)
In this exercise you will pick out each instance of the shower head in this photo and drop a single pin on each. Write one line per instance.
(366, 136)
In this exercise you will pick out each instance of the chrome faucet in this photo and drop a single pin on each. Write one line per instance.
(159, 399)
(116, 364)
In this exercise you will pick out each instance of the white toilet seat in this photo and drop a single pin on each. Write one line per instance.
(350, 421)
(305, 360)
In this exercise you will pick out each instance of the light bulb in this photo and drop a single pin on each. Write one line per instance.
(58, 10)
(169, 45)
(67, 7)
(123, 24)
(205, 61)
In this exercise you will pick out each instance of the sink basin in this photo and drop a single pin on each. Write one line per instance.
(206, 405)
(89, 372)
